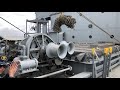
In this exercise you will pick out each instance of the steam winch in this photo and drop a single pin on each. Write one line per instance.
(58, 50)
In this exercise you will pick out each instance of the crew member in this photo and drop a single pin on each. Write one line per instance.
(12, 68)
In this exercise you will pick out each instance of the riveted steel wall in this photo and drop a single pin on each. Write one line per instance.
(109, 21)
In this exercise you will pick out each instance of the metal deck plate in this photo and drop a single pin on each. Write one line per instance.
(82, 75)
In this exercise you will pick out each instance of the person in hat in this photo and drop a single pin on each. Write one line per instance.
(12, 68)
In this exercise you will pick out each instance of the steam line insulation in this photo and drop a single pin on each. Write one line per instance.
(111, 36)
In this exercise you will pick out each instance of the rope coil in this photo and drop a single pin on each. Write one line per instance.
(64, 20)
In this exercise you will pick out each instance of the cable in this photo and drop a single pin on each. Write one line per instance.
(12, 25)
(111, 36)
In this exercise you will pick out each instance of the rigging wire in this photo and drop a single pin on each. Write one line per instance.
(111, 36)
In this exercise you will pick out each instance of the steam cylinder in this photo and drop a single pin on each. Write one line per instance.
(27, 64)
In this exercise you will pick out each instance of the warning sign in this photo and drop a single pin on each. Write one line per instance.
(106, 51)
(110, 49)
(3, 58)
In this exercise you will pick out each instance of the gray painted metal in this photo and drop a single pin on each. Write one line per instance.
(107, 20)
(36, 43)
(79, 67)
(70, 47)
(59, 50)
(100, 67)
(105, 66)
(54, 50)
(82, 75)
(54, 73)
(110, 21)
(28, 64)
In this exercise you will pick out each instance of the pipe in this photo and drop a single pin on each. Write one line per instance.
(54, 73)
(23, 46)
(26, 30)
(4, 48)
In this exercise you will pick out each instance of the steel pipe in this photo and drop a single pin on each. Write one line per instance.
(54, 73)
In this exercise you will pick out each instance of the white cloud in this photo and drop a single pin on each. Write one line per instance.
(16, 18)
(11, 34)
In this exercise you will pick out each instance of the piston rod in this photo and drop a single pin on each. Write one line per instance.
(54, 73)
